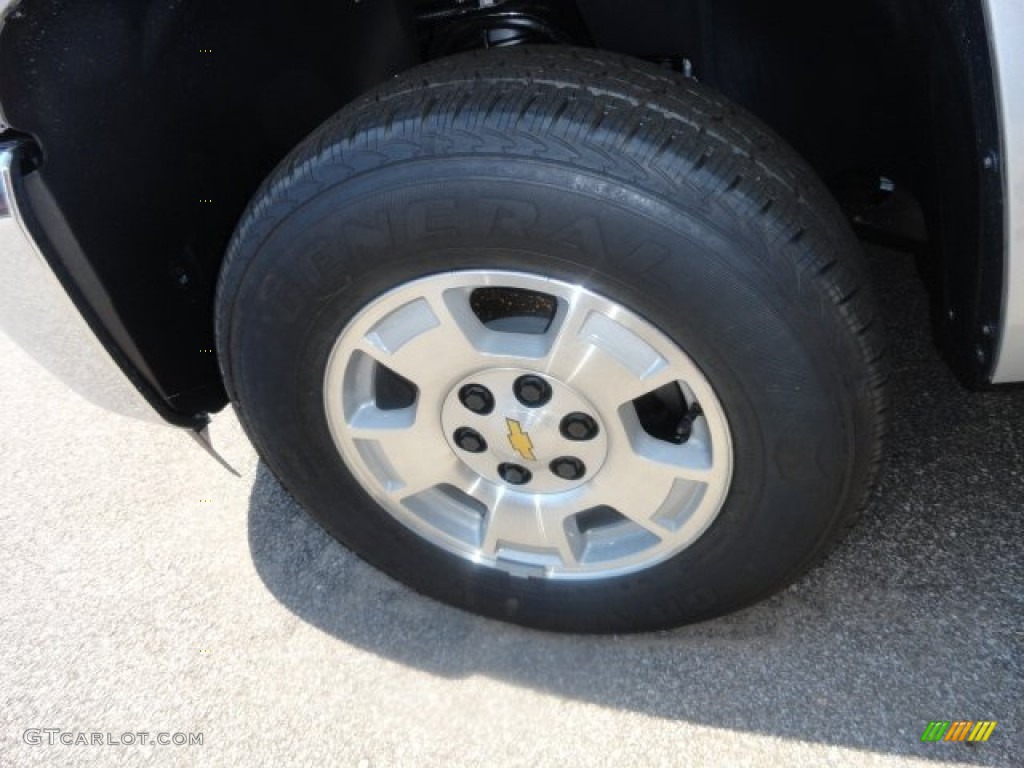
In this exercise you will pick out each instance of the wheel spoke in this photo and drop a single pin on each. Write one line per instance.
(522, 529)
(408, 448)
(637, 496)
(647, 478)
(636, 451)
(424, 343)
(592, 345)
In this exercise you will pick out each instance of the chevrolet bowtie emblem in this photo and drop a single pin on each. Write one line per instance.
(521, 442)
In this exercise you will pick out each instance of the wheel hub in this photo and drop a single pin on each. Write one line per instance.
(537, 426)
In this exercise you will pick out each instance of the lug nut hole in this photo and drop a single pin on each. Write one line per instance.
(514, 474)
(477, 399)
(579, 427)
(532, 391)
(568, 468)
(470, 440)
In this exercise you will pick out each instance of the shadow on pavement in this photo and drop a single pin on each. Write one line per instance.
(917, 616)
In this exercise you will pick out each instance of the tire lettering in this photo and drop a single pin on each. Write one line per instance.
(281, 293)
(585, 235)
(647, 256)
(432, 218)
(375, 236)
(508, 217)
(315, 264)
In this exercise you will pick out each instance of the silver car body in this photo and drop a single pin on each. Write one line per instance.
(1006, 33)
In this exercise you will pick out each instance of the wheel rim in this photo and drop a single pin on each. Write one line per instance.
(528, 425)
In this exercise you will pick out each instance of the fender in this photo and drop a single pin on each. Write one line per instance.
(153, 124)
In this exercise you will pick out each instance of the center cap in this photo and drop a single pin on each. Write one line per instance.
(535, 435)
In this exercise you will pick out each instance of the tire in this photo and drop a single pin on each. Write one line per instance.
(479, 205)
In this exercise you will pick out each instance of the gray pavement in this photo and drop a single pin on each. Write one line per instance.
(143, 588)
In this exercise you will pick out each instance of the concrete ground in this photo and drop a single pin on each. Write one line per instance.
(143, 588)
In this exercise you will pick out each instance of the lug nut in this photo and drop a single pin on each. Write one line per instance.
(513, 474)
(568, 468)
(470, 440)
(579, 426)
(477, 398)
(532, 391)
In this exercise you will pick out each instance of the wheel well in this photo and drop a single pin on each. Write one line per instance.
(156, 123)
(892, 102)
